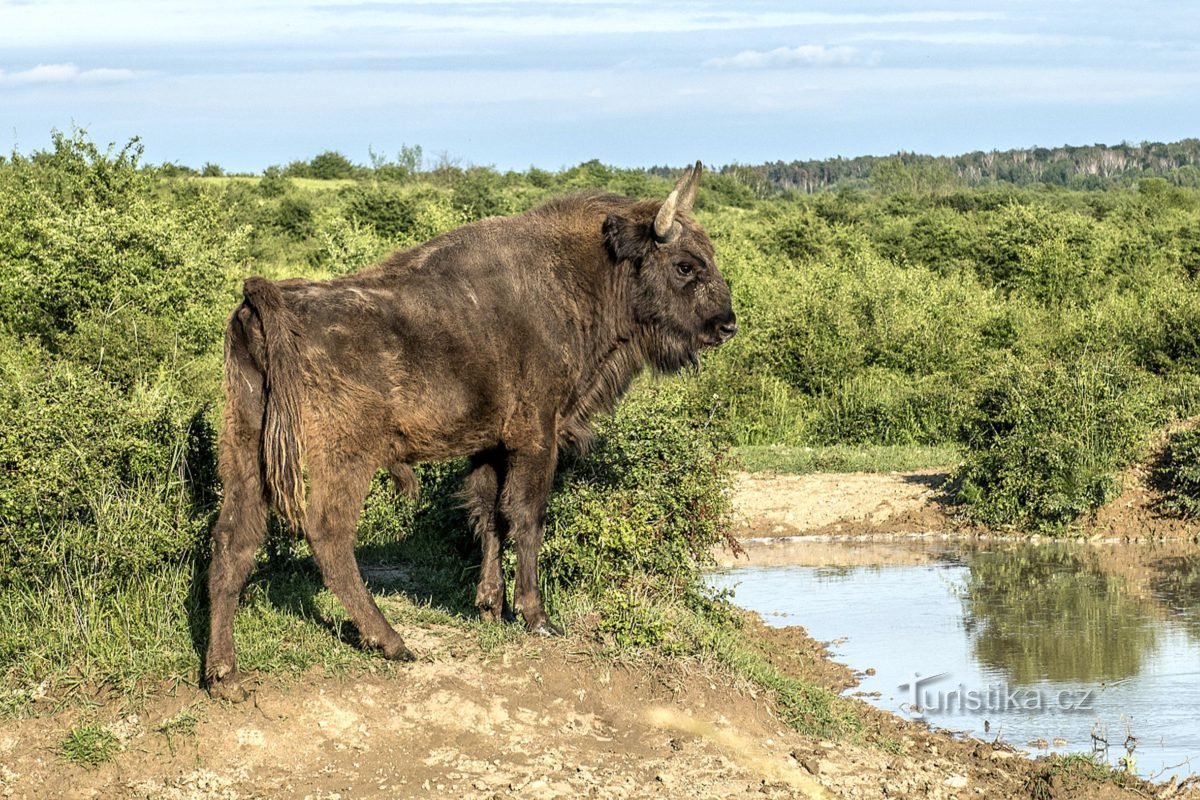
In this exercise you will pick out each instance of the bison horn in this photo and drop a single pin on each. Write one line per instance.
(666, 229)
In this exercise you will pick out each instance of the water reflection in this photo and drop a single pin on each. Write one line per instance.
(1051, 612)
(1176, 584)
(1119, 624)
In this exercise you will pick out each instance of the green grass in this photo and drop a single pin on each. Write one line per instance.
(845, 458)
(89, 745)
(184, 723)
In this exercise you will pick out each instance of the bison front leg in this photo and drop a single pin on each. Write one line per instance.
(482, 491)
(523, 503)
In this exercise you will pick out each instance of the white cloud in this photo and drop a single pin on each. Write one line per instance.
(981, 38)
(812, 55)
(63, 73)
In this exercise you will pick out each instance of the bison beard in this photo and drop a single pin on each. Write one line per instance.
(495, 341)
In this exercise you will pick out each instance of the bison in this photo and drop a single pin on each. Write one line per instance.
(495, 341)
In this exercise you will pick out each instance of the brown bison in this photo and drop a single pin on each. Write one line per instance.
(495, 341)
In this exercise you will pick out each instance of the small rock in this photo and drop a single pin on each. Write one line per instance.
(666, 780)
(956, 782)
(1001, 755)
(812, 765)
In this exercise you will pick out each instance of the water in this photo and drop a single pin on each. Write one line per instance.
(1050, 647)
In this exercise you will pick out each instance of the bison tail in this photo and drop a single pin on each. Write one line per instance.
(282, 450)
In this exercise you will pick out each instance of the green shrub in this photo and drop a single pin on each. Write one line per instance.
(1180, 473)
(1045, 441)
(295, 216)
(88, 246)
(106, 499)
(400, 213)
(882, 406)
(639, 515)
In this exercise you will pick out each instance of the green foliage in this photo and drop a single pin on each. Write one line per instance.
(844, 458)
(638, 517)
(121, 481)
(89, 745)
(329, 165)
(1180, 472)
(403, 215)
(1046, 440)
(97, 264)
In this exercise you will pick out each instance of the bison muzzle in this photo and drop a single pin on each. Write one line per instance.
(495, 341)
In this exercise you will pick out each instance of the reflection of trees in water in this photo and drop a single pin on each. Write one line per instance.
(1038, 612)
(1177, 584)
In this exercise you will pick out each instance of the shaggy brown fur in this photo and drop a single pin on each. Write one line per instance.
(495, 341)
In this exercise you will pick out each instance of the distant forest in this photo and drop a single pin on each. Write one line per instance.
(1096, 166)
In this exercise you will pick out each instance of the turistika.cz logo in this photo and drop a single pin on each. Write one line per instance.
(925, 699)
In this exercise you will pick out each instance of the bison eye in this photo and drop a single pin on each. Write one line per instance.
(684, 268)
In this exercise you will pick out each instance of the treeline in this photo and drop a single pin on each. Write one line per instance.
(1091, 167)
(1096, 166)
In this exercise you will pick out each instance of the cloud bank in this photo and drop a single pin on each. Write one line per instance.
(63, 73)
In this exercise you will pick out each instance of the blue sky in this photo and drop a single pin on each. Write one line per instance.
(551, 84)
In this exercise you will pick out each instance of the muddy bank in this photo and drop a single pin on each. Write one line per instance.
(866, 505)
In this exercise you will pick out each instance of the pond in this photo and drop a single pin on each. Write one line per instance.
(1050, 647)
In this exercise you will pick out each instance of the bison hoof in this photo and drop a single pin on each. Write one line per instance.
(490, 613)
(398, 652)
(229, 690)
(545, 628)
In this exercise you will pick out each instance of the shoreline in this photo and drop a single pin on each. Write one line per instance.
(889, 506)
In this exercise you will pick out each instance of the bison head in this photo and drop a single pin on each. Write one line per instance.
(680, 300)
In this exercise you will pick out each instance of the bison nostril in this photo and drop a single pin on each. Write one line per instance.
(727, 330)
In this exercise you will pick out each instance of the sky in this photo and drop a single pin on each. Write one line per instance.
(515, 84)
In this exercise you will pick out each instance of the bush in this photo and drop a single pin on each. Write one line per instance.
(121, 482)
(96, 263)
(1045, 441)
(1180, 472)
(634, 521)
(404, 215)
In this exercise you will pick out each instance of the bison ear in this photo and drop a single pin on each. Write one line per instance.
(623, 238)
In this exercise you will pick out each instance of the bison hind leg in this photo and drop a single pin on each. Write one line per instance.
(338, 492)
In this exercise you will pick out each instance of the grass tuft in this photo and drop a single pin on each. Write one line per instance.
(89, 745)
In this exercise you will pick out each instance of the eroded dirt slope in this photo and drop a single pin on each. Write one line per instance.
(529, 719)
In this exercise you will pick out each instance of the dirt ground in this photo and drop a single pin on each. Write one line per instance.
(850, 503)
(864, 505)
(535, 719)
(541, 719)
